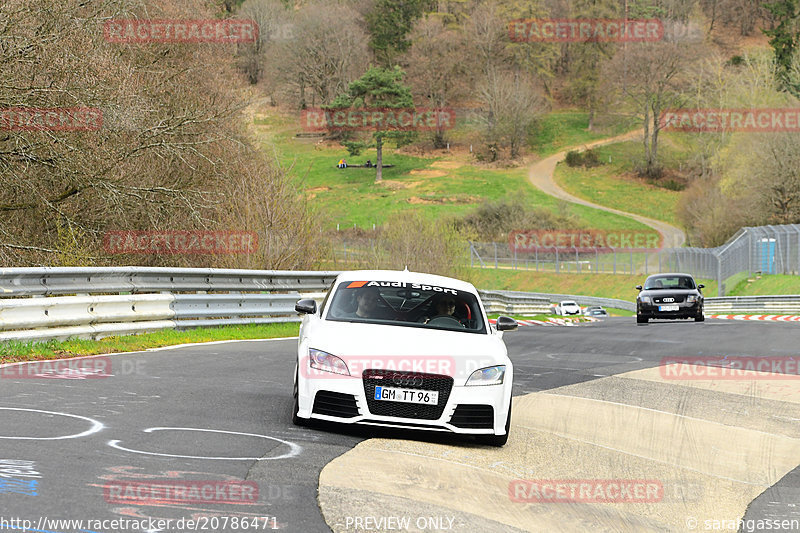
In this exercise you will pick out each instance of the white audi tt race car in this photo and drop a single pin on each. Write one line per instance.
(404, 350)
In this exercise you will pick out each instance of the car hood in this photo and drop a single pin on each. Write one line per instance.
(668, 292)
(408, 348)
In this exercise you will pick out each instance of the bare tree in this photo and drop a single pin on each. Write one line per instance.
(171, 139)
(328, 49)
(486, 32)
(436, 66)
(511, 103)
(649, 78)
(767, 170)
(274, 26)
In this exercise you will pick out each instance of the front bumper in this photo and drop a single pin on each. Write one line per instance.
(476, 398)
(685, 310)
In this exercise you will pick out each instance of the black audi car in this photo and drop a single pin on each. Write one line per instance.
(669, 296)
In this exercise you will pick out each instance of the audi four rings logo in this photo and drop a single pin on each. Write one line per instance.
(406, 380)
(668, 299)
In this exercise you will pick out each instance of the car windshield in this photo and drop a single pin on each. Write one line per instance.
(669, 282)
(406, 304)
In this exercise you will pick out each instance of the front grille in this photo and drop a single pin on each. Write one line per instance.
(471, 416)
(335, 404)
(678, 298)
(406, 380)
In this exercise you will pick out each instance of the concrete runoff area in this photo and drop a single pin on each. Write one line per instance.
(711, 460)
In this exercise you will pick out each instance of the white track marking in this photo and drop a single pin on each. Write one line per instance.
(96, 426)
(294, 449)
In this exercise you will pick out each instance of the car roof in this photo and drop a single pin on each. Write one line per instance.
(667, 274)
(406, 276)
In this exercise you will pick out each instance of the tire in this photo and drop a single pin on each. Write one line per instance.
(641, 319)
(498, 440)
(700, 318)
(296, 420)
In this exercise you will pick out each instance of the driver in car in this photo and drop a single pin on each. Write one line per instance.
(367, 299)
(443, 305)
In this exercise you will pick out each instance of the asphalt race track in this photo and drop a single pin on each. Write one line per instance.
(589, 404)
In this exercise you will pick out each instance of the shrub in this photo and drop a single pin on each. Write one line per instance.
(587, 159)
(574, 159)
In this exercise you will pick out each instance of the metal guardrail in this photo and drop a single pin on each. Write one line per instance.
(49, 281)
(554, 298)
(33, 305)
(765, 305)
(514, 304)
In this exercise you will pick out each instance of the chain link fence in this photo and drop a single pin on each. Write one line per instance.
(762, 249)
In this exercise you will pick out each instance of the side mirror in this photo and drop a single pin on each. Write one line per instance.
(701, 286)
(505, 323)
(306, 306)
(638, 287)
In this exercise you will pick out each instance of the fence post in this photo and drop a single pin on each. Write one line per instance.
(720, 286)
(556, 260)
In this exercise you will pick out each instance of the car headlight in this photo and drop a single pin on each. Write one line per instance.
(645, 299)
(692, 298)
(492, 375)
(327, 362)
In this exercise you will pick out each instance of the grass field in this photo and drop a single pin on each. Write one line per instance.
(766, 285)
(16, 351)
(559, 130)
(439, 187)
(604, 185)
(620, 286)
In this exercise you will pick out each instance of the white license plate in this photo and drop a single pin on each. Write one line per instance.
(427, 397)
(668, 307)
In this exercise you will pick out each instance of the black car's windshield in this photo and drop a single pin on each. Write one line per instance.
(406, 304)
(669, 282)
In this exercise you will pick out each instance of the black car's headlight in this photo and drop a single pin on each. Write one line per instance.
(692, 298)
(327, 362)
(645, 299)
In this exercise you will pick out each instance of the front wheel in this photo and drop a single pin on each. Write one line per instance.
(296, 420)
(641, 319)
(700, 317)
(498, 440)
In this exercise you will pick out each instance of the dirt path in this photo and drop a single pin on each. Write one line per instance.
(541, 176)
